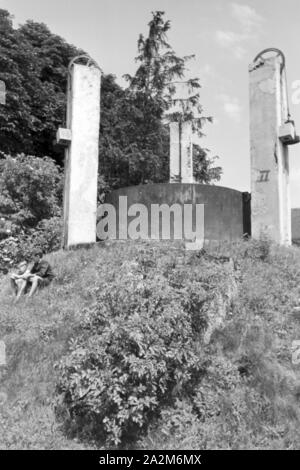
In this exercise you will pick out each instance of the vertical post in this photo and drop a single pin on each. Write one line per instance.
(186, 153)
(181, 152)
(181, 134)
(81, 155)
(270, 201)
(175, 170)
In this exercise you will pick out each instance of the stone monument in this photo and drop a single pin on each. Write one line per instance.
(181, 141)
(81, 141)
(271, 131)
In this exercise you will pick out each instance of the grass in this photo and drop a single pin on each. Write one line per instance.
(36, 333)
(257, 407)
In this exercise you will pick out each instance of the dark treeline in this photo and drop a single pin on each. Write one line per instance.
(134, 137)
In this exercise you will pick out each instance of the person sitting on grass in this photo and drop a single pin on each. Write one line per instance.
(41, 273)
(30, 277)
(18, 280)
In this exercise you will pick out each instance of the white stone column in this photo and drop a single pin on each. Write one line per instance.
(181, 133)
(181, 153)
(270, 200)
(186, 153)
(81, 158)
(175, 171)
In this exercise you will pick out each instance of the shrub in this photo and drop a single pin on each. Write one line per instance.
(31, 198)
(31, 190)
(137, 352)
(177, 428)
(46, 236)
(259, 249)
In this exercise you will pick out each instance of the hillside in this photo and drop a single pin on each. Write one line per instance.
(247, 395)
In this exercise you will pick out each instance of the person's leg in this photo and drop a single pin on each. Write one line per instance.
(13, 285)
(21, 283)
(34, 285)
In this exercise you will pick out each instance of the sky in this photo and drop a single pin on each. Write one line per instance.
(224, 35)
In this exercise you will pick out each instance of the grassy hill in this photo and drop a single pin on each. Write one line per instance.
(249, 390)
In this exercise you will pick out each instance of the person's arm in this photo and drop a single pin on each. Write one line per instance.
(26, 275)
(43, 268)
(15, 276)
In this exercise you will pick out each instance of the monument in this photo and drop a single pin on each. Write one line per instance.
(271, 131)
(81, 141)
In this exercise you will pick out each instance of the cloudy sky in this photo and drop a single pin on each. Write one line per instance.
(225, 36)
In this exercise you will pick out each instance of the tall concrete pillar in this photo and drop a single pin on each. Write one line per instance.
(181, 134)
(81, 155)
(181, 153)
(186, 153)
(175, 157)
(270, 200)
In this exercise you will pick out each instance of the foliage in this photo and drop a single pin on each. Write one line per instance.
(246, 395)
(153, 87)
(36, 333)
(205, 171)
(134, 137)
(31, 199)
(46, 236)
(31, 190)
(33, 65)
(137, 351)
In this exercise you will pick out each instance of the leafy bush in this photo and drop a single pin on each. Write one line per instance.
(46, 237)
(31, 190)
(138, 350)
(176, 428)
(31, 199)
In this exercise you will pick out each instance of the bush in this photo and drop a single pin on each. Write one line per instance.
(30, 199)
(31, 190)
(177, 428)
(47, 237)
(259, 249)
(137, 353)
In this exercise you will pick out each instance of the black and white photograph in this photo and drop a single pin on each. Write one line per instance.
(149, 230)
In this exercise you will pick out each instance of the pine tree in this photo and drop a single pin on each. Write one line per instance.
(154, 86)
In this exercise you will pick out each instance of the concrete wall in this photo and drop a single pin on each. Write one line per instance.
(227, 212)
(224, 217)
